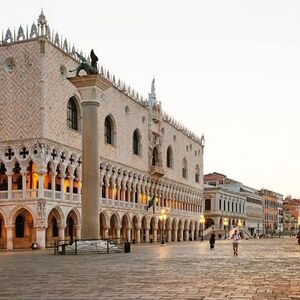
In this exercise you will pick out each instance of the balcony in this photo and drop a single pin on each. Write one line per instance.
(157, 172)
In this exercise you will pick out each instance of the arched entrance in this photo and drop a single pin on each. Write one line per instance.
(3, 236)
(71, 224)
(113, 227)
(174, 231)
(135, 230)
(103, 226)
(52, 231)
(179, 231)
(209, 222)
(151, 231)
(24, 234)
(125, 229)
(143, 230)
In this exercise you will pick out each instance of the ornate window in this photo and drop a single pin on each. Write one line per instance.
(109, 131)
(136, 142)
(197, 174)
(20, 226)
(169, 157)
(155, 161)
(72, 114)
(184, 169)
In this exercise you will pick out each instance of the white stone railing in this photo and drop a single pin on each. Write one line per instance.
(34, 194)
(3, 195)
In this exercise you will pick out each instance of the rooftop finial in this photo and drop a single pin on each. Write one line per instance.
(42, 22)
(153, 95)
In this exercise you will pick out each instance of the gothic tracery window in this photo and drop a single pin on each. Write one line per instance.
(184, 168)
(72, 114)
(108, 130)
(169, 157)
(136, 142)
(155, 161)
(197, 174)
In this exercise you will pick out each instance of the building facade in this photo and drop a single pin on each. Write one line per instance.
(145, 155)
(244, 202)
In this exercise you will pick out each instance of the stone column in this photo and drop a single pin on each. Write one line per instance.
(186, 233)
(192, 234)
(41, 184)
(138, 235)
(61, 232)
(147, 235)
(169, 235)
(9, 184)
(53, 175)
(62, 187)
(91, 88)
(24, 184)
(9, 237)
(71, 178)
(105, 232)
(41, 237)
(118, 232)
(181, 235)
(175, 235)
(154, 235)
(78, 232)
(128, 234)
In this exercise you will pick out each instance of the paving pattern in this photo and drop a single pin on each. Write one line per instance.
(264, 269)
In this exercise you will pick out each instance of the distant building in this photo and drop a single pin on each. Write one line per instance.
(250, 215)
(273, 211)
(292, 213)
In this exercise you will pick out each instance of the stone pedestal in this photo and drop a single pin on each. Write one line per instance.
(91, 89)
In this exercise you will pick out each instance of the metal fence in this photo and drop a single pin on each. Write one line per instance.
(87, 246)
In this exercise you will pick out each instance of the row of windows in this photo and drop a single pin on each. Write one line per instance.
(109, 138)
(238, 207)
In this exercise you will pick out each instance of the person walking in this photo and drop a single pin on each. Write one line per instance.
(235, 242)
(212, 240)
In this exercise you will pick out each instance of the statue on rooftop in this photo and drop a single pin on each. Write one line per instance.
(86, 66)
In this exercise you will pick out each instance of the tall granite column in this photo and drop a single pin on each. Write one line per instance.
(91, 88)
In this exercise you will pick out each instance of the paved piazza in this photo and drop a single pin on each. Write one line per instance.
(265, 269)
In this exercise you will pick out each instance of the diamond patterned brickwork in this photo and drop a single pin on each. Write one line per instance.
(58, 91)
(20, 115)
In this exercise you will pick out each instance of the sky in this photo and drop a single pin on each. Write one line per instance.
(227, 69)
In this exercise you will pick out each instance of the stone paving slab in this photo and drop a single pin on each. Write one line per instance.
(264, 269)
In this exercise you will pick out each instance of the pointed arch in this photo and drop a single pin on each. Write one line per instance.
(110, 130)
(136, 142)
(184, 169)
(73, 114)
(155, 158)
(197, 174)
(170, 160)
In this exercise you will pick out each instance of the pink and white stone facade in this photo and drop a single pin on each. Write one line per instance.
(40, 156)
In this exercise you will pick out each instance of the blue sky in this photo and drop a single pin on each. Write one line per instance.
(228, 69)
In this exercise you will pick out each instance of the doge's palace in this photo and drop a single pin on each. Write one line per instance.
(148, 160)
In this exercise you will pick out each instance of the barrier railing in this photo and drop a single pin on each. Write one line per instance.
(87, 246)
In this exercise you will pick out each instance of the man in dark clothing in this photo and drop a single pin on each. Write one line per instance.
(212, 240)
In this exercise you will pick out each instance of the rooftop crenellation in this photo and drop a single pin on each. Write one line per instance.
(41, 29)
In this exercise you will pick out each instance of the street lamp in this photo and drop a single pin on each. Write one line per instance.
(163, 217)
(257, 229)
(298, 223)
(202, 221)
(225, 222)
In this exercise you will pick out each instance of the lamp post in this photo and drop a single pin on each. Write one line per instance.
(202, 221)
(225, 222)
(257, 229)
(298, 223)
(163, 217)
